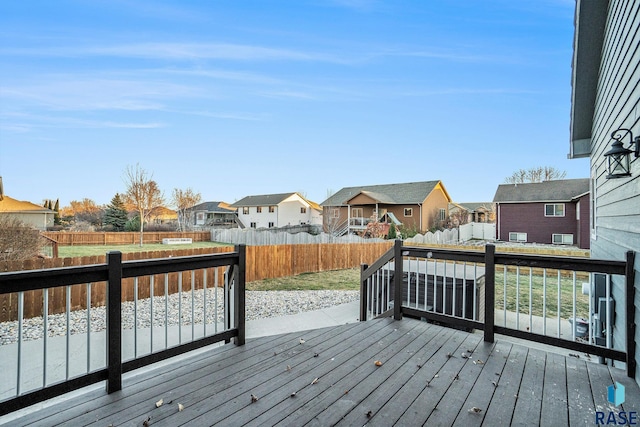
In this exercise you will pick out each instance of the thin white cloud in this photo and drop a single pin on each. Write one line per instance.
(178, 51)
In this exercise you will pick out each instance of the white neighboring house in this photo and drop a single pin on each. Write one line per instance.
(29, 213)
(277, 210)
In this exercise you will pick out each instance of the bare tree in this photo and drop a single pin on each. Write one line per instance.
(18, 241)
(142, 193)
(84, 212)
(184, 200)
(535, 174)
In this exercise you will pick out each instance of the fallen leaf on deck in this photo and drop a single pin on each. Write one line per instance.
(495, 384)
(346, 392)
(145, 423)
(449, 355)
(301, 341)
(288, 368)
(180, 407)
(293, 394)
(315, 355)
(315, 381)
(159, 403)
(478, 362)
(475, 410)
(377, 363)
(457, 377)
(369, 414)
(254, 398)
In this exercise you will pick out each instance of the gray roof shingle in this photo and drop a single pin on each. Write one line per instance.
(262, 200)
(211, 207)
(399, 194)
(562, 190)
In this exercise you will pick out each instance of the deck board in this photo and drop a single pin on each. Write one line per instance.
(500, 411)
(423, 380)
(579, 396)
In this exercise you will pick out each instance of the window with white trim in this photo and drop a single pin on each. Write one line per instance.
(335, 213)
(562, 239)
(271, 224)
(259, 209)
(517, 237)
(272, 209)
(443, 214)
(554, 209)
(408, 212)
(245, 210)
(253, 225)
(303, 210)
(357, 212)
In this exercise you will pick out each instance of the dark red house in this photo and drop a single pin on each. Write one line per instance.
(544, 212)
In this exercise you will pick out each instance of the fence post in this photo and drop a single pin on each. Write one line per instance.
(239, 296)
(397, 280)
(114, 318)
(630, 295)
(363, 293)
(489, 291)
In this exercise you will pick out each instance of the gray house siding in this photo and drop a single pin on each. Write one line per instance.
(616, 206)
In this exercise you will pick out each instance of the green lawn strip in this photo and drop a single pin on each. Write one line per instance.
(518, 294)
(93, 250)
(344, 280)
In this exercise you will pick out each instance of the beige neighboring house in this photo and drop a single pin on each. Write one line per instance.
(31, 214)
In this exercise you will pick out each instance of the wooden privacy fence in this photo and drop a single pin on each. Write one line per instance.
(263, 262)
(121, 238)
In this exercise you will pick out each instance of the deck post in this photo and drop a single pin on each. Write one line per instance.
(630, 295)
(397, 280)
(363, 293)
(239, 310)
(489, 291)
(114, 321)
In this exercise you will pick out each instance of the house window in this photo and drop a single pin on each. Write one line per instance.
(303, 210)
(517, 237)
(253, 225)
(408, 211)
(562, 239)
(272, 209)
(271, 225)
(245, 210)
(554, 209)
(335, 213)
(259, 209)
(200, 216)
(443, 214)
(357, 213)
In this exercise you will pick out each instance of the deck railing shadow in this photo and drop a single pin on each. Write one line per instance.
(228, 321)
(567, 302)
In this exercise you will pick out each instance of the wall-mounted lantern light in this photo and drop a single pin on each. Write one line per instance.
(618, 162)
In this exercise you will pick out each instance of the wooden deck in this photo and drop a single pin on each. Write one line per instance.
(331, 378)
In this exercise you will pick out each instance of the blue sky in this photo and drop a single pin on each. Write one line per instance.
(235, 98)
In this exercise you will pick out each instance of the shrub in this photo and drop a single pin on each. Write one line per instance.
(18, 241)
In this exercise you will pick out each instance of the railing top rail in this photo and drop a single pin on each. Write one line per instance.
(174, 264)
(29, 280)
(446, 254)
(380, 262)
(562, 263)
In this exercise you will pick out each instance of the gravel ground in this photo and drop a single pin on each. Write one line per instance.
(259, 304)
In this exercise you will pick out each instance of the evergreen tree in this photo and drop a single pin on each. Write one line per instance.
(56, 216)
(116, 215)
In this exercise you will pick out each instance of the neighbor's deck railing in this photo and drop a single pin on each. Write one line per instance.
(546, 299)
(220, 293)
